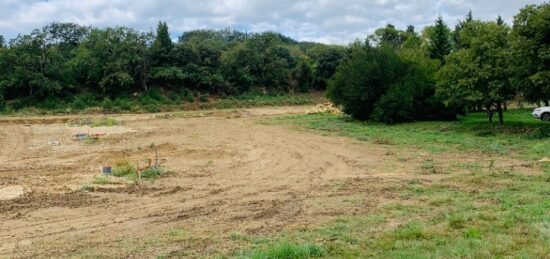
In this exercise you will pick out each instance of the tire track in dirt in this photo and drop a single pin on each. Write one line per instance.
(226, 175)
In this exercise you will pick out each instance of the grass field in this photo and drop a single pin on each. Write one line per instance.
(483, 212)
(521, 137)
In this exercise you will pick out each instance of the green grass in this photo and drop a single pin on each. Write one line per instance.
(522, 136)
(128, 170)
(105, 122)
(509, 217)
(485, 211)
(102, 180)
(152, 173)
(285, 250)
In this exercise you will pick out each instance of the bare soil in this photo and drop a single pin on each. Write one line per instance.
(227, 173)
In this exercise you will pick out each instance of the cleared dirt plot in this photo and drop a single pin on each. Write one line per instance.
(246, 183)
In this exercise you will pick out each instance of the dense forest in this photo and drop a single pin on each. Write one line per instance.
(392, 76)
(69, 64)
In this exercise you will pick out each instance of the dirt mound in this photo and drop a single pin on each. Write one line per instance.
(327, 107)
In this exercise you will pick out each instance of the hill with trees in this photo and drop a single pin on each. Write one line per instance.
(393, 76)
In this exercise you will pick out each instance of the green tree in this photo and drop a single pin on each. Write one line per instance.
(112, 61)
(530, 42)
(161, 49)
(457, 41)
(326, 60)
(479, 74)
(440, 41)
(37, 62)
(262, 61)
(305, 74)
(388, 35)
(163, 70)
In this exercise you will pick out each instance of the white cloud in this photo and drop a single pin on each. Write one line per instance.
(329, 21)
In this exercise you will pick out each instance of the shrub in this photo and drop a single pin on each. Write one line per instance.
(384, 84)
(395, 106)
(204, 98)
(363, 78)
(541, 133)
(123, 168)
(152, 172)
(188, 95)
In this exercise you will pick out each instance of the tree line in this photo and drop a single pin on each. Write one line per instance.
(401, 75)
(393, 76)
(65, 63)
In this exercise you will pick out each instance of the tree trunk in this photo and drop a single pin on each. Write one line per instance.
(546, 102)
(505, 104)
(500, 115)
(143, 76)
(490, 114)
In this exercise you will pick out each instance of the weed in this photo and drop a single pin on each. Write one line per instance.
(86, 188)
(105, 122)
(124, 168)
(457, 220)
(90, 140)
(472, 233)
(102, 180)
(176, 232)
(238, 237)
(286, 250)
(409, 231)
(152, 173)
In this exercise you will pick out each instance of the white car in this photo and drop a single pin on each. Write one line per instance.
(542, 113)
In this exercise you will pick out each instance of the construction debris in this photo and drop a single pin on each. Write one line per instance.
(54, 143)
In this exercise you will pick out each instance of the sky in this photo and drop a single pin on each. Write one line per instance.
(326, 21)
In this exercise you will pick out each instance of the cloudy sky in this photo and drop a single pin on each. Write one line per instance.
(328, 21)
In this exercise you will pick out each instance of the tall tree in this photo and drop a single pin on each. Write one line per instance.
(500, 21)
(162, 45)
(479, 74)
(2, 41)
(457, 42)
(440, 41)
(531, 51)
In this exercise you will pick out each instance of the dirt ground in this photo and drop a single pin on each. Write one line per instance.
(227, 173)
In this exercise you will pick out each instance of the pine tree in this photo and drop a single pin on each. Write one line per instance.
(500, 21)
(440, 44)
(456, 34)
(162, 46)
(2, 41)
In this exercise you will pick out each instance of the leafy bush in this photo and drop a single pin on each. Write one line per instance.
(388, 85)
(204, 98)
(363, 78)
(123, 168)
(541, 133)
(152, 172)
